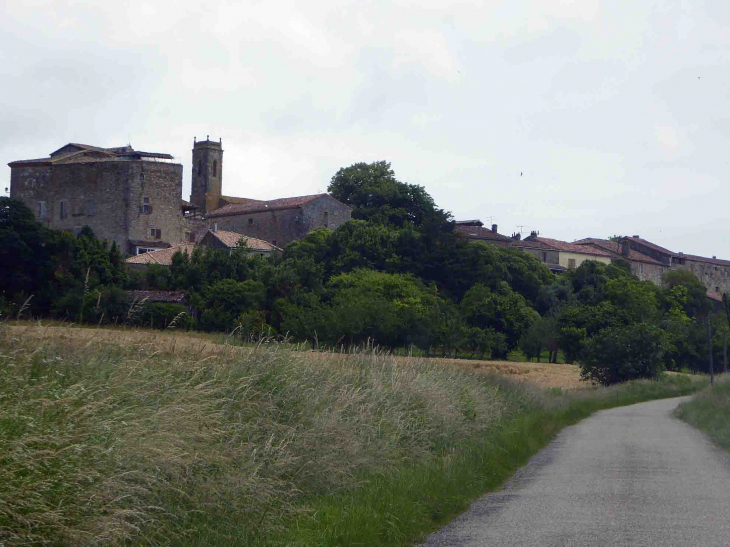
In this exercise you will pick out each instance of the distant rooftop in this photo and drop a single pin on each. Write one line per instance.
(84, 153)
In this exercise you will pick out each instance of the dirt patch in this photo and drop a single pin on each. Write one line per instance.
(541, 374)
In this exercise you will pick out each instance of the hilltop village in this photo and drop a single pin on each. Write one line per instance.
(134, 198)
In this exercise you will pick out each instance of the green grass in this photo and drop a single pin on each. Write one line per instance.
(709, 411)
(119, 443)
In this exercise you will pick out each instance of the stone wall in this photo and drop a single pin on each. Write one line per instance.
(284, 226)
(715, 277)
(107, 197)
(648, 272)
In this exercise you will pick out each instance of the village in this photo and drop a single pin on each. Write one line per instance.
(135, 199)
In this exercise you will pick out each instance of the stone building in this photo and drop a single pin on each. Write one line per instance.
(135, 198)
(474, 230)
(714, 273)
(560, 255)
(280, 221)
(643, 266)
(124, 195)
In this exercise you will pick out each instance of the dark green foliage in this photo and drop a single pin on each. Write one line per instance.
(374, 193)
(162, 315)
(620, 354)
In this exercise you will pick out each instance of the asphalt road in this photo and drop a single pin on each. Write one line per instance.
(629, 476)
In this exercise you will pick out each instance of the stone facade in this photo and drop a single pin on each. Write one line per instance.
(207, 176)
(281, 221)
(714, 273)
(130, 199)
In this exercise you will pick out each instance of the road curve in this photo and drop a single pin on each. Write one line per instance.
(628, 476)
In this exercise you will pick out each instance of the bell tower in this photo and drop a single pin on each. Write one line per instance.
(207, 180)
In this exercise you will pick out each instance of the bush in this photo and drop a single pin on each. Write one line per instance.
(619, 354)
(160, 315)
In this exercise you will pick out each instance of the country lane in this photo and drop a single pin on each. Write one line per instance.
(634, 475)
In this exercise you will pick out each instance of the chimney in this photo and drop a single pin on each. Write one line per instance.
(636, 236)
(713, 256)
(533, 233)
(625, 247)
(494, 228)
(517, 236)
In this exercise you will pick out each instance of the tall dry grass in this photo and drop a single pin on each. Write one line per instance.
(103, 443)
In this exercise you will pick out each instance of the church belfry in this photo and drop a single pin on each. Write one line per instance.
(207, 179)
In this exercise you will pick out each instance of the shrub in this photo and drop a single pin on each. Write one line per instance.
(619, 354)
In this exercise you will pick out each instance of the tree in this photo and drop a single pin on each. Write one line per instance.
(620, 354)
(374, 193)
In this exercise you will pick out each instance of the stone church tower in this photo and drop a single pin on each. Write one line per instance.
(207, 180)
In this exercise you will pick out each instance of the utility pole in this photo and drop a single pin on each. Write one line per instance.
(709, 347)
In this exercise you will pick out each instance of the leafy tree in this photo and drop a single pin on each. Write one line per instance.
(620, 354)
(503, 310)
(374, 193)
(696, 302)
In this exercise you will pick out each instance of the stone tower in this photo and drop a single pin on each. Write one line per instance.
(207, 180)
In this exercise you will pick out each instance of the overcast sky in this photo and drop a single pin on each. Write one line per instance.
(582, 118)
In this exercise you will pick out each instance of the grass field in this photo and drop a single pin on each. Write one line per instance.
(709, 411)
(541, 374)
(114, 437)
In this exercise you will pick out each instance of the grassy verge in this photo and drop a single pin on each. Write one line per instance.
(709, 411)
(114, 443)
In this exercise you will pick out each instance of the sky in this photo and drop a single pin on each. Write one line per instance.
(585, 118)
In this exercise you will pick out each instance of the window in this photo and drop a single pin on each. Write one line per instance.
(250, 222)
(215, 168)
(571, 263)
(325, 219)
(143, 250)
(145, 207)
(544, 256)
(62, 209)
(155, 233)
(641, 268)
(200, 167)
(274, 243)
(717, 289)
(215, 226)
(41, 209)
(90, 208)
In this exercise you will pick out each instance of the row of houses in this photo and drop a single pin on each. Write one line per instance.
(649, 261)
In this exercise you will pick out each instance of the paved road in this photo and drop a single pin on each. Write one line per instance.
(628, 476)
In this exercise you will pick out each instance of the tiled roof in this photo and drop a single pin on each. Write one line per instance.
(259, 206)
(478, 232)
(232, 199)
(652, 246)
(475, 222)
(715, 261)
(614, 247)
(716, 296)
(231, 239)
(158, 296)
(120, 153)
(162, 257)
(557, 245)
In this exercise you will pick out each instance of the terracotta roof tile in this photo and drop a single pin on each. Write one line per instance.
(716, 296)
(163, 256)
(231, 240)
(652, 246)
(615, 248)
(479, 232)
(259, 206)
(557, 245)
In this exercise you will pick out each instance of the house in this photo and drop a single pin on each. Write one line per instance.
(474, 230)
(560, 255)
(643, 266)
(222, 239)
(162, 257)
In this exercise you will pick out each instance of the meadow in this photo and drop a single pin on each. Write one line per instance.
(161, 438)
(709, 411)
